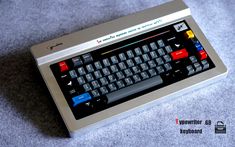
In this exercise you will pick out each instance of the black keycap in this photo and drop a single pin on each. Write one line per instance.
(81, 71)
(145, 48)
(145, 57)
(114, 68)
(136, 69)
(111, 78)
(95, 93)
(97, 74)
(89, 77)
(130, 63)
(114, 59)
(168, 49)
(87, 58)
(106, 71)
(136, 78)
(81, 80)
(120, 84)
(95, 84)
(159, 61)
(144, 66)
(72, 74)
(152, 72)
(160, 69)
(138, 60)
(128, 81)
(98, 65)
(138, 51)
(122, 56)
(112, 87)
(128, 72)
(103, 81)
(153, 46)
(132, 89)
(161, 52)
(122, 65)
(87, 87)
(77, 61)
(103, 90)
(130, 54)
(144, 75)
(160, 43)
(205, 64)
(151, 64)
(167, 58)
(120, 75)
(89, 68)
(153, 54)
(106, 62)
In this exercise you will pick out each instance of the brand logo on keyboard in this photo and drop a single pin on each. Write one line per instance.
(180, 27)
(54, 46)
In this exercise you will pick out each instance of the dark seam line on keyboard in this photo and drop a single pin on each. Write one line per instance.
(136, 42)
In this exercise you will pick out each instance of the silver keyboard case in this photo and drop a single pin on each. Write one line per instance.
(66, 48)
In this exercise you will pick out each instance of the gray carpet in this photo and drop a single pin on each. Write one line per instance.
(28, 116)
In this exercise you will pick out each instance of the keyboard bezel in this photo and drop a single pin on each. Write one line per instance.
(129, 107)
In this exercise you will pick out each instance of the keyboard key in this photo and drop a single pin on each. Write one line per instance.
(167, 66)
(197, 67)
(160, 69)
(189, 34)
(97, 74)
(63, 66)
(122, 56)
(138, 60)
(205, 64)
(89, 77)
(87, 58)
(145, 57)
(160, 43)
(72, 74)
(144, 66)
(95, 84)
(144, 75)
(114, 68)
(114, 59)
(81, 98)
(122, 65)
(77, 61)
(193, 59)
(136, 69)
(153, 46)
(190, 70)
(136, 78)
(106, 71)
(159, 61)
(202, 55)
(112, 87)
(95, 93)
(130, 54)
(120, 84)
(89, 68)
(103, 81)
(120, 75)
(130, 63)
(81, 71)
(161, 52)
(167, 58)
(152, 72)
(81, 80)
(151, 64)
(112, 78)
(87, 87)
(103, 90)
(168, 49)
(98, 65)
(132, 89)
(128, 81)
(179, 54)
(106, 62)
(145, 48)
(153, 54)
(128, 72)
(138, 51)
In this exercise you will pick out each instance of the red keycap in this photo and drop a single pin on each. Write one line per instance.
(202, 54)
(179, 54)
(63, 66)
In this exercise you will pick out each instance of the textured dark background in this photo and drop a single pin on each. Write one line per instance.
(28, 116)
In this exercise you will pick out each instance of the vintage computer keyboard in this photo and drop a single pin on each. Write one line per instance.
(107, 72)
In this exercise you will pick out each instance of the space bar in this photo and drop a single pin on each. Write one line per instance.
(117, 95)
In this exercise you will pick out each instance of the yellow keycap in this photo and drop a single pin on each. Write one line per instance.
(189, 34)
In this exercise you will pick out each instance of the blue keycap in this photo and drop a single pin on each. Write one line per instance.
(198, 46)
(81, 98)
